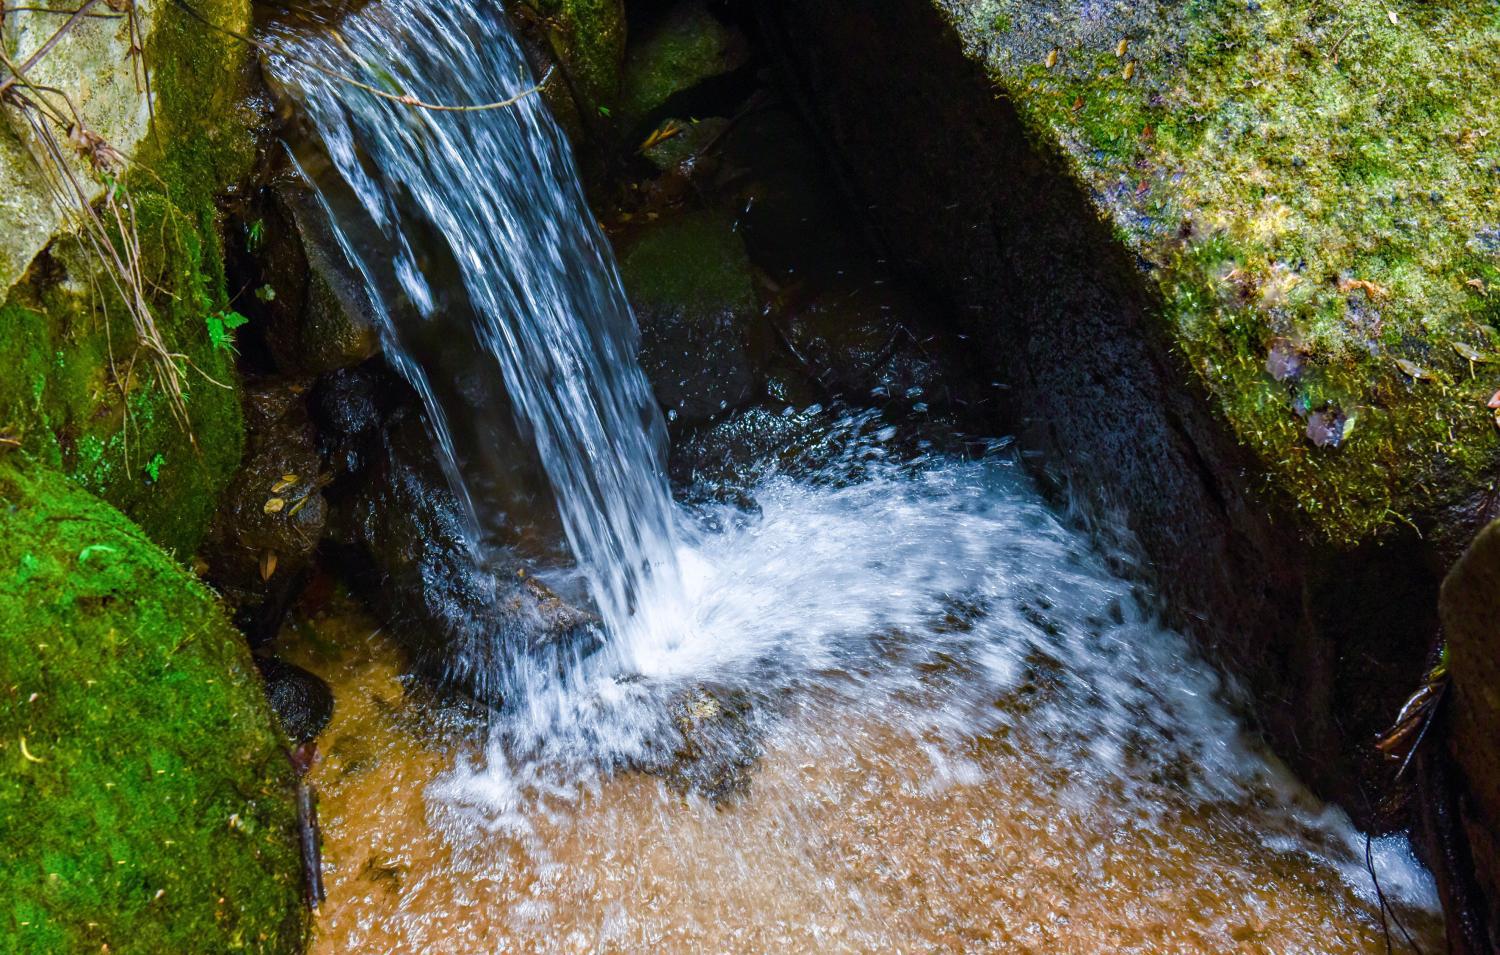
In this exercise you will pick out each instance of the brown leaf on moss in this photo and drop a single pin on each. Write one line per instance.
(1372, 290)
(1413, 370)
(1469, 352)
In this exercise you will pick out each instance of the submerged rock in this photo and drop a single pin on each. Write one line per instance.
(688, 279)
(301, 700)
(717, 744)
(147, 799)
(465, 614)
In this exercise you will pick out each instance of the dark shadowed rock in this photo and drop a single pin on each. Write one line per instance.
(464, 614)
(302, 702)
(271, 516)
(1471, 620)
(319, 316)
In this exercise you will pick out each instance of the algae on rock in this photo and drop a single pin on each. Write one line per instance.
(146, 802)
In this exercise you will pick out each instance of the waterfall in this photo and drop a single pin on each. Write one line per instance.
(495, 190)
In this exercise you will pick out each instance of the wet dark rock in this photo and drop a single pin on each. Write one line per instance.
(717, 746)
(464, 615)
(1471, 620)
(319, 317)
(873, 345)
(689, 280)
(272, 515)
(300, 699)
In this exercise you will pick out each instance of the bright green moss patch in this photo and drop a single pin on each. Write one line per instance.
(1310, 179)
(145, 802)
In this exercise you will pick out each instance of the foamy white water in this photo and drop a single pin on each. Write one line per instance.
(959, 728)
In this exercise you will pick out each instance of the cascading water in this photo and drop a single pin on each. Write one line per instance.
(496, 189)
(965, 732)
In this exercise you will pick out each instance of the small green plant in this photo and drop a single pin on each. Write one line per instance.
(256, 234)
(221, 326)
(153, 466)
(266, 293)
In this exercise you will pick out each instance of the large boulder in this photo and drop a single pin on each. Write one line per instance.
(1234, 263)
(147, 803)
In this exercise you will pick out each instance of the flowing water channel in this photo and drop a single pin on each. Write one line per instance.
(884, 699)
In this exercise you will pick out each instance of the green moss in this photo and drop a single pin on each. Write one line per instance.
(151, 809)
(695, 264)
(203, 140)
(689, 46)
(1268, 159)
(87, 399)
(589, 37)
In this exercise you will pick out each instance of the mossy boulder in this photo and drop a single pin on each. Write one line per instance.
(1232, 264)
(82, 391)
(1304, 177)
(588, 37)
(146, 804)
(689, 280)
(689, 45)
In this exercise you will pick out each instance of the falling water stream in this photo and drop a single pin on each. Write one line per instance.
(928, 714)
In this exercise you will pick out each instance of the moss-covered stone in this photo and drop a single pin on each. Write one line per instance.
(145, 802)
(1309, 177)
(688, 278)
(589, 38)
(688, 46)
(83, 394)
(84, 397)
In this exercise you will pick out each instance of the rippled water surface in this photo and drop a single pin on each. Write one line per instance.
(962, 735)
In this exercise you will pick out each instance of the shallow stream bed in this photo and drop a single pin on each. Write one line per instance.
(969, 740)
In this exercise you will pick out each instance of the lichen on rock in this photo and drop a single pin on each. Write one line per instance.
(146, 804)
